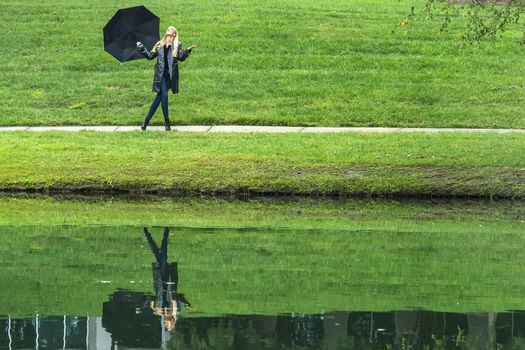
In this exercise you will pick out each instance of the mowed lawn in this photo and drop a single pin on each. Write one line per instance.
(413, 164)
(272, 62)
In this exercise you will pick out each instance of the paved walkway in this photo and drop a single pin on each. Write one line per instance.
(251, 128)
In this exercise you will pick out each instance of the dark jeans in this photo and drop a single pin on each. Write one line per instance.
(161, 255)
(162, 97)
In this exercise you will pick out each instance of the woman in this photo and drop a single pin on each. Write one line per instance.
(168, 302)
(168, 52)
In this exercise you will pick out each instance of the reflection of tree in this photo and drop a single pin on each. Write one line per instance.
(227, 332)
(22, 333)
(408, 329)
(371, 327)
(127, 328)
(334, 330)
(50, 332)
(307, 330)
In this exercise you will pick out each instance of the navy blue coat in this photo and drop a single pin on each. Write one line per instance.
(173, 65)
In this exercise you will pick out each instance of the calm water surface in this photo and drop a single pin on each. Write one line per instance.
(396, 280)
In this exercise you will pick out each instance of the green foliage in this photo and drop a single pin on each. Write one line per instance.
(483, 19)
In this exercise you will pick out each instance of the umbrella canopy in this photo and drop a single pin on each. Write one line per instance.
(128, 26)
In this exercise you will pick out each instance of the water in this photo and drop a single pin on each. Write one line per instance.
(261, 275)
(119, 327)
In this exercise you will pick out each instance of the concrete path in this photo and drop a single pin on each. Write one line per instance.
(252, 128)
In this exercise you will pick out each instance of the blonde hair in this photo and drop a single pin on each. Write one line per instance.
(162, 42)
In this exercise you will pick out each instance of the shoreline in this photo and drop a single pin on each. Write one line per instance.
(243, 193)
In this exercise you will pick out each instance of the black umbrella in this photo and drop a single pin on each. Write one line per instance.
(127, 27)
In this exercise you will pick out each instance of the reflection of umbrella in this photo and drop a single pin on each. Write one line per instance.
(127, 326)
(127, 27)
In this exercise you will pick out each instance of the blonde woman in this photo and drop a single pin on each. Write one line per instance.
(168, 302)
(169, 52)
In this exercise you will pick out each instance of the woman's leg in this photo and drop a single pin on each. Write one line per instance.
(153, 246)
(152, 110)
(164, 256)
(166, 83)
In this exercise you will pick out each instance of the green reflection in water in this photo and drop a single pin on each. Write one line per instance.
(265, 257)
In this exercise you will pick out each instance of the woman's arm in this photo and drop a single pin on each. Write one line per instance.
(184, 301)
(183, 54)
(148, 54)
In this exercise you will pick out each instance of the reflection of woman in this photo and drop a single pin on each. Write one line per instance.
(168, 52)
(167, 301)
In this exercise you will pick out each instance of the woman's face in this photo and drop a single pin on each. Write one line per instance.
(171, 31)
(169, 323)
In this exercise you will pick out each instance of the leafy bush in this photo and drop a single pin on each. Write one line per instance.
(484, 19)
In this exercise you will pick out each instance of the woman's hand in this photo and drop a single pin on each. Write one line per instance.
(192, 47)
(139, 44)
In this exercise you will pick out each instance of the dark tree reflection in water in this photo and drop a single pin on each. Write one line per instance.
(416, 329)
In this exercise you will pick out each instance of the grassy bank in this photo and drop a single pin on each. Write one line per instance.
(337, 164)
(301, 256)
(301, 62)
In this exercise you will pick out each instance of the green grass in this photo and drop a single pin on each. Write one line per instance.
(216, 212)
(265, 257)
(479, 165)
(291, 62)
